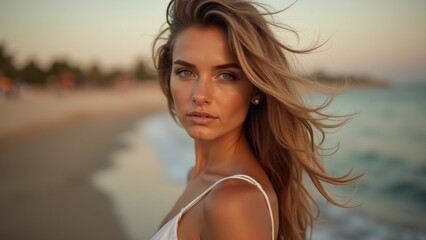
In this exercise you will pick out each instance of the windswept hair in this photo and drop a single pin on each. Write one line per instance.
(284, 133)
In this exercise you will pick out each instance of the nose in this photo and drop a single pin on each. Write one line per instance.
(202, 92)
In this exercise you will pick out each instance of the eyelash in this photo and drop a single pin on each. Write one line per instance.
(232, 76)
(179, 72)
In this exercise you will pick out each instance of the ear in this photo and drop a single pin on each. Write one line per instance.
(257, 97)
(257, 94)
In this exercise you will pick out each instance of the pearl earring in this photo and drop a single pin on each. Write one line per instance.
(256, 101)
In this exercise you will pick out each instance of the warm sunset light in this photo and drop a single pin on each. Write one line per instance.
(383, 38)
(89, 149)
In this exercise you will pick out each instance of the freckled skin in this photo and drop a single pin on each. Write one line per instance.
(224, 93)
(211, 98)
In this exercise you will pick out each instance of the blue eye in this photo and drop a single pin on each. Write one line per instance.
(227, 76)
(185, 73)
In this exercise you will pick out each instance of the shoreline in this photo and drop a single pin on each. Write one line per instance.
(137, 184)
(40, 111)
(48, 160)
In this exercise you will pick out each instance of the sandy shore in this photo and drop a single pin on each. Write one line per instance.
(138, 186)
(50, 147)
(38, 111)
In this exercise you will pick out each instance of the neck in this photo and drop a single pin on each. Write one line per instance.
(223, 156)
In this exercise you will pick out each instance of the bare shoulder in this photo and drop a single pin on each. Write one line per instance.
(236, 209)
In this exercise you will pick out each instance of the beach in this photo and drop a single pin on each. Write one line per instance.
(385, 141)
(52, 144)
(109, 164)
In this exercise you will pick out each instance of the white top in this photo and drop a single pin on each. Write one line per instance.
(169, 230)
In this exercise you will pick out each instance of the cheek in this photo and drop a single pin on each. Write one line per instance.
(179, 95)
(236, 106)
(236, 101)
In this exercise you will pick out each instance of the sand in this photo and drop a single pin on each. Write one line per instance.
(39, 111)
(138, 185)
(50, 147)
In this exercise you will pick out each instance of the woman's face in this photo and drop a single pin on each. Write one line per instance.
(210, 91)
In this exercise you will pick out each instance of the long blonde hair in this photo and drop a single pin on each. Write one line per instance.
(282, 130)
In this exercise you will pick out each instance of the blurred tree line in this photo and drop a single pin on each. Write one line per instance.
(63, 73)
(352, 81)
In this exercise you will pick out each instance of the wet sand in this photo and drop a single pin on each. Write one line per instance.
(138, 185)
(47, 162)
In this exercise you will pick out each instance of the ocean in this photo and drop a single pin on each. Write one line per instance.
(386, 141)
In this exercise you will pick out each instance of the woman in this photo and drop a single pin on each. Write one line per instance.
(228, 82)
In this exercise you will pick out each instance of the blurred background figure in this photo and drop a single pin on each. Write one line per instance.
(84, 128)
(6, 86)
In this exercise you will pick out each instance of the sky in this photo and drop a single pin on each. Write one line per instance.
(380, 38)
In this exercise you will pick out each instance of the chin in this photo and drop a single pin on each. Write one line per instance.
(199, 134)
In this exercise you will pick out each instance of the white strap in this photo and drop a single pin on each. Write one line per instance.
(237, 176)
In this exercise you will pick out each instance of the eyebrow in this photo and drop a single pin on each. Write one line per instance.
(222, 66)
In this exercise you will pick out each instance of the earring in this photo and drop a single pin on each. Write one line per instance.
(256, 101)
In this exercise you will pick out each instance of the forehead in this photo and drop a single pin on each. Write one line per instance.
(202, 44)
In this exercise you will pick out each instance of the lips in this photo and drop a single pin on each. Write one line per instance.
(201, 118)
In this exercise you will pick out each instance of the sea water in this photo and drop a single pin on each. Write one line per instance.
(386, 141)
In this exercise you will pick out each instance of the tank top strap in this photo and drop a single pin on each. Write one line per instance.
(237, 176)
